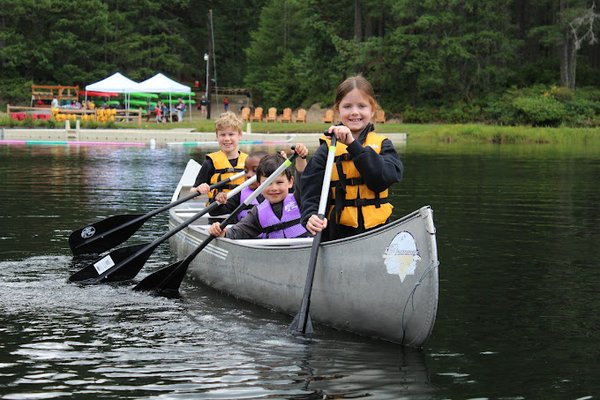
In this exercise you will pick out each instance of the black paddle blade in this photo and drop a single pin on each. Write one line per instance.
(296, 327)
(164, 282)
(119, 265)
(105, 234)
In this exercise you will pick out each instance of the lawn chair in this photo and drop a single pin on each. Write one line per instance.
(301, 115)
(245, 114)
(328, 118)
(258, 114)
(272, 115)
(286, 116)
(380, 116)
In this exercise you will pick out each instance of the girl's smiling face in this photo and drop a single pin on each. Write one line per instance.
(356, 111)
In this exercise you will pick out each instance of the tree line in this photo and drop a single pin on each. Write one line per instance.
(535, 61)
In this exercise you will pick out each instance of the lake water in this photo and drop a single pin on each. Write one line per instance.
(518, 239)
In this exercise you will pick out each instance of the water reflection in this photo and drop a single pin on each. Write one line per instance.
(517, 228)
(92, 341)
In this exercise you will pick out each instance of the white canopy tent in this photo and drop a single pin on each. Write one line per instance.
(159, 83)
(116, 83)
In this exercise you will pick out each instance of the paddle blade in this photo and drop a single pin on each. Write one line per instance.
(119, 265)
(164, 282)
(299, 327)
(105, 234)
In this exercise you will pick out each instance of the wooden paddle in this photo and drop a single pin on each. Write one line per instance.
(112, 231)
(124, 263)
(166, 281)
(302, 323)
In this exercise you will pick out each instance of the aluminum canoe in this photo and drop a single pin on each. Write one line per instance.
(381, 284)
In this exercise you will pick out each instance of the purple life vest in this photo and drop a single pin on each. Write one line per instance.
(243, 196)
(288, 226)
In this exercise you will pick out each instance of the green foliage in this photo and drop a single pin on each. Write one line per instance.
(428, 61)
(540, 110)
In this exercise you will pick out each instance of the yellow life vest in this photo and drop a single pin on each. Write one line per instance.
(224, 169)
(345, 178)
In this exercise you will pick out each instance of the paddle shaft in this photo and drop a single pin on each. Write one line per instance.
(139, 220)
(177, 272)
(301, 323)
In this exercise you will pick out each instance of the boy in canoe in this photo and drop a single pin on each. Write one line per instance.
(224, 163)
(228, 205)
(278, 216)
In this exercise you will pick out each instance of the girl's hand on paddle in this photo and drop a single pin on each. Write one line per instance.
(302, 152)
(203, 188)
(342, 133)
(215, 230)
(221, 198)
(315, 224)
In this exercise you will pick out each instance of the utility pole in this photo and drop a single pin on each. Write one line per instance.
(209, 52)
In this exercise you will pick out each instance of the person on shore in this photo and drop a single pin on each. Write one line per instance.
(366, 165)
(252, 161)
(203, 104)
(226, 162)
(225, 104)
(276, 217)
(54, 103)
(158, 111)
(180, 107)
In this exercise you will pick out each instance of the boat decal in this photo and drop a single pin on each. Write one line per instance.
(402, 255)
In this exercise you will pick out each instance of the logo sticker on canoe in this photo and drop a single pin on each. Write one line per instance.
(401, 256)
(88, 232)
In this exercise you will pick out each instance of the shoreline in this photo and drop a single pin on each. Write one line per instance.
(142, 137)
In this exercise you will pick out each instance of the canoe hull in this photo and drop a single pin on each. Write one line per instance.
(381, 284)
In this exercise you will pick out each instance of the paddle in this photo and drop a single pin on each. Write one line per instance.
(302, 323)
(166, 281)
(112, 231)
(124, 263)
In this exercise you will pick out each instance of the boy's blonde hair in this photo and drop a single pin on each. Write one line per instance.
(228, 120)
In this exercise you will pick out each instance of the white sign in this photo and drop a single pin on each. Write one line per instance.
(104, 264)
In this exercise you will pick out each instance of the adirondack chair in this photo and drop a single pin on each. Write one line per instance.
(245, 114)
(380, 116)
(328, 118)
(301, 115)
(272, 115)
(286, 116)
(258, 114)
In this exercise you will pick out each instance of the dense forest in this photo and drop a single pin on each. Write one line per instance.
(531, 61)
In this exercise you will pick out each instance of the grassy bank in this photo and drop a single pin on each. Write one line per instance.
(417, 133)
(450, 133)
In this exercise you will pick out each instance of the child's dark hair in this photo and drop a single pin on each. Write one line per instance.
(268, 164)
(258, 154)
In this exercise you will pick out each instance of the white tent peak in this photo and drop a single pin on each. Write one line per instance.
(117, 83)
(159, 83)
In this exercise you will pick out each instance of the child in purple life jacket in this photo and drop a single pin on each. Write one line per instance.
(278, 216)
(228, 205)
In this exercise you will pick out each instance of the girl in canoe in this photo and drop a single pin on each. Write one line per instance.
(366, 165)
(227, 161)
(278, 216)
